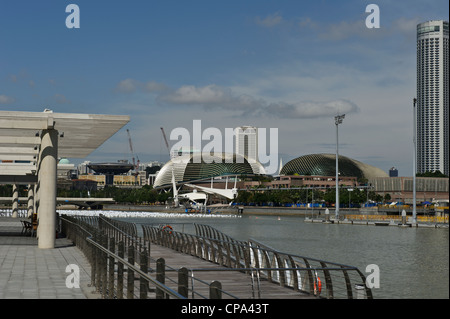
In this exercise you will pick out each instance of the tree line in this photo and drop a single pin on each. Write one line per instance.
(136, 195)
(281, 197)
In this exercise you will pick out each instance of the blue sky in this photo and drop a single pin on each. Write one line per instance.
(290, 65)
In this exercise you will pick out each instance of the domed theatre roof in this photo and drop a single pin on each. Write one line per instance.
(325, 165)
(186, 168)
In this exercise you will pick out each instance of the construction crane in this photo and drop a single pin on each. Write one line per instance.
(136, 166)
(165, 139)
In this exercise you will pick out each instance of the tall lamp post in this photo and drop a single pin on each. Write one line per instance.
(414, 160)
(337, 120)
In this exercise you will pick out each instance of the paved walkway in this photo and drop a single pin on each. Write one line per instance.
(28, 272)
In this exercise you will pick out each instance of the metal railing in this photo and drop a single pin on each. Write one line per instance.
(119, 257)
(306, 275)
(397, 218)
(105, 244)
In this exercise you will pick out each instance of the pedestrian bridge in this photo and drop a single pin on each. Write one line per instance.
(83, 203)
(160, 262)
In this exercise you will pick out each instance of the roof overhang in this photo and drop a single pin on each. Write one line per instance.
(79, 135)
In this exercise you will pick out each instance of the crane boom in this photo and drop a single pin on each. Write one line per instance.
(131, 146)
(132, 152)
(165, 139)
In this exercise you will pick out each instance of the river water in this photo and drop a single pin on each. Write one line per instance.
(413, 262)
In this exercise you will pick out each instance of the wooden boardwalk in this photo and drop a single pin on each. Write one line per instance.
(234, 282)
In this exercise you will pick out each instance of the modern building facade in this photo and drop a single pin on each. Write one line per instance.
(432, 97)
(401, 188)
(247, 142)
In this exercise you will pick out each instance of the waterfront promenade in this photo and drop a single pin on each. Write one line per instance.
(28, 272)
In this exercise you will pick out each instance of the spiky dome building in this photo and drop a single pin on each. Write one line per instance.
(186, 168)
(325, 165)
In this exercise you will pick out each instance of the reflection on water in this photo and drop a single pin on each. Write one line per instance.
(413, 262)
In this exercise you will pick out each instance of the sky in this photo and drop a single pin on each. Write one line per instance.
(284, 64)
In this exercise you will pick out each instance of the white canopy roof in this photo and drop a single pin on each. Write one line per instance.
(79, 135)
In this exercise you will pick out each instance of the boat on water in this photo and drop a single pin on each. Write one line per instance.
(382, 223)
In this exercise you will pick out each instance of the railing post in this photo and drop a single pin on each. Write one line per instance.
(120, 253)
(281, 272)
(98, 264)
(183, 282)
(104, 262)
(130, 273)
(112, 249)
(328, 282)
(294, 274)
(348, 284)
(143, 289)
(160, 276)
(310, 276)
(215, 290)
(94, 263)
(368, 290)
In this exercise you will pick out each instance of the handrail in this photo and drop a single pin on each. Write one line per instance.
(144, 275)
(302, 273)
(89, 237)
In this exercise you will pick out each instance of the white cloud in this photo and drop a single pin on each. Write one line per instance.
(60, 99)
(127, 86)
(348, 29)
(190, 94)
(217, 97)
(311, 109)
(154, 87)
(270, 21)
(4, 99)
(132, 85)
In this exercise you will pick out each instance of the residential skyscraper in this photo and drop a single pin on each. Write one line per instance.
(432, 121)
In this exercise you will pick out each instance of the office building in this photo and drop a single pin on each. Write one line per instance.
(247, 142)
(432, 97)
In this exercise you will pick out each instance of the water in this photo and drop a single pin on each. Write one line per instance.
(413, 262)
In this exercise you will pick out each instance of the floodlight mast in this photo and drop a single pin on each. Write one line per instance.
(414, 213)
(337, 120)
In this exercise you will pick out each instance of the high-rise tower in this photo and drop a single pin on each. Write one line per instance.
(432, 97)
(247, 142)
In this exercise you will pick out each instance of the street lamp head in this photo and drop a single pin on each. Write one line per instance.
(338, 119)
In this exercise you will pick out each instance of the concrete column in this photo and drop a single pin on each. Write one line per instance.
(47, 189)
(15, 201)
(36, 199)
(30, 205)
